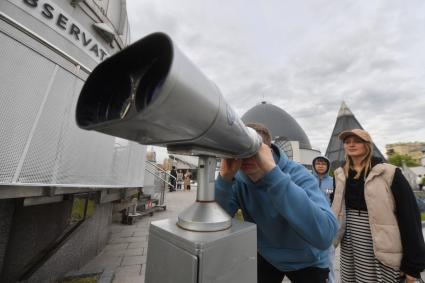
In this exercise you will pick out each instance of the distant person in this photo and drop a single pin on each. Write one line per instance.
(321, 166)
(381, 232)
(173, 177)
(179, 179)
(419, 182)
(295, 224)
(187, 179)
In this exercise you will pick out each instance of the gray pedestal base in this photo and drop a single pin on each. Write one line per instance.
(176, 255)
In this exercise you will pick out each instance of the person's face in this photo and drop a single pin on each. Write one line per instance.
(249, 166)
(320, 166)
(354, 147)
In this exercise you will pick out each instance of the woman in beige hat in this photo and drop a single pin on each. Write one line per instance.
(380, 226)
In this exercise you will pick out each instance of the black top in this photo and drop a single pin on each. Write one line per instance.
(407, 214)
(354, 191)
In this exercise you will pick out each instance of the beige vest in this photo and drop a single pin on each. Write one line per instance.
(381, 209)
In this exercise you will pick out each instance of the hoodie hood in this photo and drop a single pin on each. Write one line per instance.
(327, 162)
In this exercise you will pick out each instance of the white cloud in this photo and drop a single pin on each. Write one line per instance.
(306, 57)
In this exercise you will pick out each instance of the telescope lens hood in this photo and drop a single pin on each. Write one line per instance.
(125, 83)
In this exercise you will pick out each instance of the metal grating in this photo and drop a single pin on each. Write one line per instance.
(24, 79)
(41, 143)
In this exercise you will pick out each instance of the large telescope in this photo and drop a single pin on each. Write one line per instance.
(152, 94)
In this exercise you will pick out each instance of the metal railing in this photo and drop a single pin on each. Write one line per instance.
(157, 173)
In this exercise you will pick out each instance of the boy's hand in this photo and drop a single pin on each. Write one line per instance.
(229, 167)
(264, 158)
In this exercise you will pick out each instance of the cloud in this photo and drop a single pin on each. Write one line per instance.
(306, 57)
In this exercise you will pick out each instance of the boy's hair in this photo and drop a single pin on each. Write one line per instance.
(262, 131)
(321, 159)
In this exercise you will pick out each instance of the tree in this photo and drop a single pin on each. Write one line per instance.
(397, 160)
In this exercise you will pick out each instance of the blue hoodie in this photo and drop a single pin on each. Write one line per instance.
(325, 181)
(295, 225)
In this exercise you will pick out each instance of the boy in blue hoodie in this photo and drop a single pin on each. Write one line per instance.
(321, 166)
(295, 225)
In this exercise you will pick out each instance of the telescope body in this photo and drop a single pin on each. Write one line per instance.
(153, 94)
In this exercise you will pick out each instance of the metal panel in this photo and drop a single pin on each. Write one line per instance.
(172, 263)
(232, 259)
(43, 159)
(41, 143)
(24, 80)
(224, 256)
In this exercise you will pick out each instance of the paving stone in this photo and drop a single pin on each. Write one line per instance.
(104, 262)
(125, 271)
(127, 240)
(115, 228)
(125, 252)
(106, 277)
(130, 279)
(115, 246)
(123, 234)
(138, 245)
(132, 260)
(141, 232)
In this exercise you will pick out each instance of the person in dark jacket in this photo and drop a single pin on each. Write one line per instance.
(295, 224)
(173, 177)
(381, 232)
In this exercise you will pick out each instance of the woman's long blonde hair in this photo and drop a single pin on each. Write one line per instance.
(366, 163)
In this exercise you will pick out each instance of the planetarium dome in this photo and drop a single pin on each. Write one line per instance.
(280, 123)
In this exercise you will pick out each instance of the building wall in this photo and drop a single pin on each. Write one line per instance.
(307, 156)
(414, 150)
(33, 228)
(7, 208)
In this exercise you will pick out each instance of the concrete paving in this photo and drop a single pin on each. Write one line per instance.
(125, 254)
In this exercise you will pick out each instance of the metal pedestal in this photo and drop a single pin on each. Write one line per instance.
(176, 255)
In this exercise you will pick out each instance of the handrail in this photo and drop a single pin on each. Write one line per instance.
(162, 171)
(156, 175)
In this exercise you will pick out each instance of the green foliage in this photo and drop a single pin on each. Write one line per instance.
(397, 159)
(239, 215)
(423, 216)
(78, 207)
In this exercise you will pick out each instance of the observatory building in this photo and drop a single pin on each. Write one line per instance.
(286, 133)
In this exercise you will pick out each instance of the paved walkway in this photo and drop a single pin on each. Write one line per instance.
(125, 254)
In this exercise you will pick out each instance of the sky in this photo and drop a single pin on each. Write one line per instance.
(306, 57)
